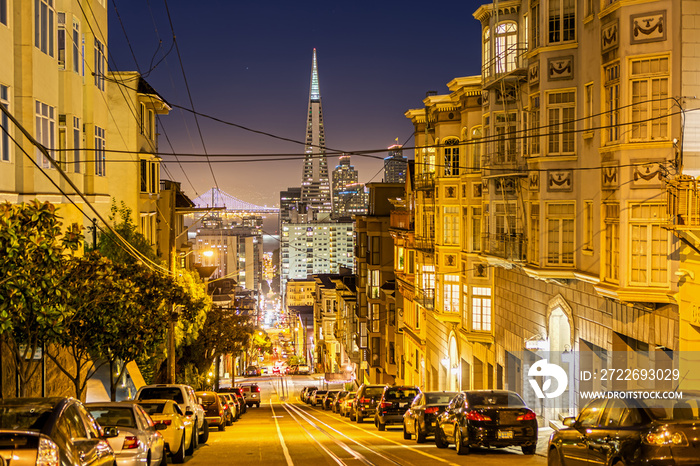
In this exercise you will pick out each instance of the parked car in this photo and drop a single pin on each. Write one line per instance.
(328, 398)
(213, 409)
(303, 369)
(393, 404)
(420, 418)
(294, 369)
(630, 431)
(487, 418)
(365, 404)
(317, 397)
(238, 394)
(233, 404)
(229, 408)
(252, 371)
(52, 431)
(139, 440)
(304, 395)
(335, 406)
(251, 393)
(178, 427)
(346, 405)
(185, 397)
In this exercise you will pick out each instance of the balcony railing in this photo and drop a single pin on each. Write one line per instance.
(510, 60)
(511, 247)
(426, 298)
(425, 243)
(401, 220)
(425, 181)
(683, 203)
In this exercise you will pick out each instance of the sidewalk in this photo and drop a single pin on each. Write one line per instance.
(543, 434)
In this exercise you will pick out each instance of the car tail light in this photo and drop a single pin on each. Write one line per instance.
(221, 412)
(130, 442)
(529, 416)
(364, 400)
(47, 453)
(256, 389)
(432, 410)
(665, 438)
(385, 405)
(165, 422)
(474, 416)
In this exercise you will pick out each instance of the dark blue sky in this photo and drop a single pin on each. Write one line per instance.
(249, 62)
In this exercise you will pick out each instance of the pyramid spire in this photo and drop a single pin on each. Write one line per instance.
(315, 93)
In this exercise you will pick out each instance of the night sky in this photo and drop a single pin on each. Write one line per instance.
(249, 63)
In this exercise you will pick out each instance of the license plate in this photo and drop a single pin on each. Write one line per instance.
(432, 424)
(366, 406)
(504, 434)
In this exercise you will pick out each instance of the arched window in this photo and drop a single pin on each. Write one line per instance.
(476, 148)
(487, 52)
(451, 152)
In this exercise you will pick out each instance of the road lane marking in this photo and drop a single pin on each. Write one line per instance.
(333, 456)
(279, 433)
(437, 458)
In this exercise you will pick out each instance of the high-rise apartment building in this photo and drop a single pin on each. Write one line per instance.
(349, 198)
(395, 165)
(315, 186)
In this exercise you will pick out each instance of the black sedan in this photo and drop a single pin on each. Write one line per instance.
(487, 418)
(420, 418)
(393, 404)
(53, 431)
(631, 431)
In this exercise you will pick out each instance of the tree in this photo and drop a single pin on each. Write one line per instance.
(33, 296)
(113, 248)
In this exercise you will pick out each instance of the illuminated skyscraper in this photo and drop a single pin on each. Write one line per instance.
(315, 187)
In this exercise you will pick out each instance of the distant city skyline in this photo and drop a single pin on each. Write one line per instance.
(374, 69)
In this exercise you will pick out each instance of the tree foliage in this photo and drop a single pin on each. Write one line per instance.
(113, 248)
(34, 252)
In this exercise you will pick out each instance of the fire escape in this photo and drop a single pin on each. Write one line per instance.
(684, 210)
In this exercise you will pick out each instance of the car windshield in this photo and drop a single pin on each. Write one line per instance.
(682, 409)
(162, 393)
(153, 408)
(29, 417)
(399, 394)
(208, 399)
(321, 392)
(439, 398)
(492, 399)
(112, 416)
(374, 391)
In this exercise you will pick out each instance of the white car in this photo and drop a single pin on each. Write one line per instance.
(139, 441)
(178, 428)
(184, 396)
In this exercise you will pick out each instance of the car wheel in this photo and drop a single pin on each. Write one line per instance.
(406, 435)
(204, 436)
(553, 458)
(459, 443)
(380, 425)
(530, 449)
(257, 405)
(439, 439)
(352, 417)
(163, 459)
(179, 455)
(222, 427)
(358, 418)
(420, 435)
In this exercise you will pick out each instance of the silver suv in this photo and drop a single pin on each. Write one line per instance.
(251, 393)
(188, 402)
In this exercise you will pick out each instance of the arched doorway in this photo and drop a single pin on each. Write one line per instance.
(561, 344)
(453, 371)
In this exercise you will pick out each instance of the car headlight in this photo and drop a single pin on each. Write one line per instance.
(666, 438)
(47, 453)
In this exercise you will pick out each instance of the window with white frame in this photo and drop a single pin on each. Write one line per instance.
(44, 26)
(481, 309)
(534, 125)
(363, 335)
(475, 163)
(533, 240)
(535, 29)
(450, 225)
(648, 245)
(99, 151)
(588, 107)
(505, 42)
(100, 65)
(475, 229)
(373, 291)
(45, 132)
(588, 225)
(5, 123)
(451, 157)
(61, 41)
(77, 60)
(487, 52)
(450, 293)
(561, 21)
(77, 140)
(649, 78)
(374, 316)
(506, 137)
(142, 107)
(466, 306)
(560, 234)
(428, 277)
(612, 241)
(611, 96)
(561, 113)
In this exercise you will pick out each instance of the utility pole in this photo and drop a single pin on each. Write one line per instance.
(171, 320)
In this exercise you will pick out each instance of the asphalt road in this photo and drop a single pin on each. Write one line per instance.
(285, 431)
